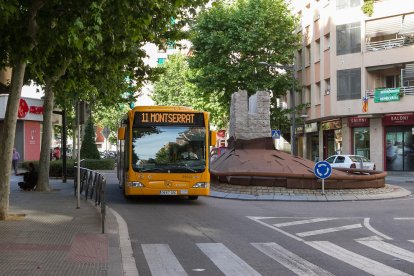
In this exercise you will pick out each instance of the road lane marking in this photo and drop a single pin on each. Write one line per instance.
(161, 260)
(228, 262)
(257, 219)
(363, 263)
(329, 230)
(372, 229)
(390, 249)
(290, 260)
(129, 266)
(404, 218)
(298, 222)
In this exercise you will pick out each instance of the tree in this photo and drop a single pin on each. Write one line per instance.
(89, 148)
(229, 41)
(174, 88)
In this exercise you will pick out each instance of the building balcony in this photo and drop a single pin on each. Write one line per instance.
(389, 44)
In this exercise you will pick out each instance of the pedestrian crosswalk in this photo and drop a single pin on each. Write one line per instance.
(161, 259)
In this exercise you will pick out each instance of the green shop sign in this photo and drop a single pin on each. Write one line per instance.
(386, 95)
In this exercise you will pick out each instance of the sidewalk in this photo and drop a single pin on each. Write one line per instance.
(48, 235)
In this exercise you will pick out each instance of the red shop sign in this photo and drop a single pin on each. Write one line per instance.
(358, 122)
(398, 119)
(23, 109)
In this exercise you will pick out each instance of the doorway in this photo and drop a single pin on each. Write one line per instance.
(399, 148)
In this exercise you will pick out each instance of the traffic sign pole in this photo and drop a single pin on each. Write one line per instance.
(323, 186)
(322, 170)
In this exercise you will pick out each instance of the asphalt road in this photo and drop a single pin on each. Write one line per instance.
(212, 236)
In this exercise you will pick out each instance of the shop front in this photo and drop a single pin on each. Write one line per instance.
(312, 141)
(399, 142)
(360, 139)
(332, 137)
(28, 126)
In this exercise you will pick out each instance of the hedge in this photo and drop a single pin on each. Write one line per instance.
(56, 166)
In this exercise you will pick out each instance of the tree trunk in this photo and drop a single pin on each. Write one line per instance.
(48, 102)
(44, 163)
(8, 135)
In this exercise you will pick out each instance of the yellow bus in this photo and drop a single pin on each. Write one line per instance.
(164, 150)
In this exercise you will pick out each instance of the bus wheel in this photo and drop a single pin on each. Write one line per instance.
(192, 197)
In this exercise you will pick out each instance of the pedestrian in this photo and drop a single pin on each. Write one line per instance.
(57, 153)
(15, 160)
(29, 179)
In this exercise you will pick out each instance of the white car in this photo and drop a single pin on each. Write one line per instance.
(350, 161)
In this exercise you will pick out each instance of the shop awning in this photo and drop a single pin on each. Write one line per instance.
(384, 26)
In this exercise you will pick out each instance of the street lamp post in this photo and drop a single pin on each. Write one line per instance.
(293, 105)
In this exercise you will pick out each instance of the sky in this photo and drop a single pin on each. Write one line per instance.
(30, 92)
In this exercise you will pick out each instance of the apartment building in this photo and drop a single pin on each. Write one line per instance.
(357, 75)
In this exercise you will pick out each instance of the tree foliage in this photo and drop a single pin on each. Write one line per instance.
(174, 88)
(89, 149)
(230, 40)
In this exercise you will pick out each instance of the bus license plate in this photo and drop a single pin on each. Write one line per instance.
(168, 192)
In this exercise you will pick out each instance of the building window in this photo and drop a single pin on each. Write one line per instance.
(327, 86)
(392, 81)
(345, 4)
(161, 61)
(349, 84)
(308, 55)
(318, 93)
(348, 38)
(317, 50)
(361, 141)
(171, 45)
(327, 41)
(299, 60)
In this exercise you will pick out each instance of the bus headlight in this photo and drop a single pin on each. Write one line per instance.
(201, 185)
(135, 184)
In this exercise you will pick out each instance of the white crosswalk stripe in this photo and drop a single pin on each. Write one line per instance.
(161, 260)
(299, 222)
(228, 262)
(290, 260)
(390, 249)
(329, 230)
(368, 265)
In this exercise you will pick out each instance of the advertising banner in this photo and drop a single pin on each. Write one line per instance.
(386, 95)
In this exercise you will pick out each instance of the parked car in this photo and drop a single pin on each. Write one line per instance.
(216, 152)
(350, 161)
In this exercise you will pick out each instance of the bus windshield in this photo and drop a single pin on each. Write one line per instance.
(169, 149)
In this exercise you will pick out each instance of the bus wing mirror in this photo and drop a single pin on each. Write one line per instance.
(213, 138)
(121, 133)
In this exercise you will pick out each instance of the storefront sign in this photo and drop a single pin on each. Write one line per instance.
(313, 127)
(299, 129)
(331, 125)
(358, 122)
(386, 95)
(24, 108)
(398, 119)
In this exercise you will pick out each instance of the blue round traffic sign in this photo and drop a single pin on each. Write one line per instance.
(322, 169)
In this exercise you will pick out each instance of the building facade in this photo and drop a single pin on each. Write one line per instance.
(357, 75)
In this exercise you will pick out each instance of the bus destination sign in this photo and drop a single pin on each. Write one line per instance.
(169, 118)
